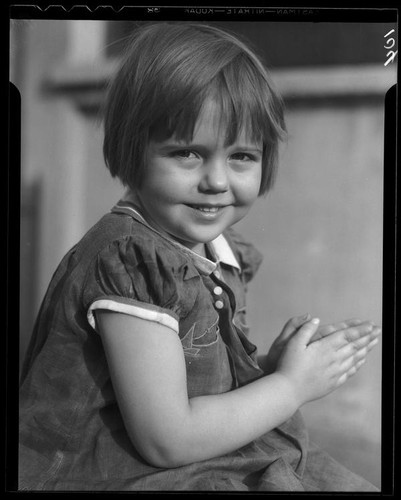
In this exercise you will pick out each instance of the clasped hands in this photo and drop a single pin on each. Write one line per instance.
(306, 352)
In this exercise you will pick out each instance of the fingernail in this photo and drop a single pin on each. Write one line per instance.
(306, 317)
(315, 321)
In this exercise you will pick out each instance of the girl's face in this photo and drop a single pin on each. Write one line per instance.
(194, 191)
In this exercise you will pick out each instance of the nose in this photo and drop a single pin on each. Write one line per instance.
(214, 177)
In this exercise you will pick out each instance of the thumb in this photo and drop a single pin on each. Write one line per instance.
(292, 326)
(307, 331)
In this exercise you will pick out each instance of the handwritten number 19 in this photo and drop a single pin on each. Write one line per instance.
(389, 44)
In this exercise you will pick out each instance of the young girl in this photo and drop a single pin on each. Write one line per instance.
(140, 374)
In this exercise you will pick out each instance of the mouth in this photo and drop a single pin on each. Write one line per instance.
(207, 212)
(207, 209)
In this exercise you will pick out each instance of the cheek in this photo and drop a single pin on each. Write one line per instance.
(157, 180)
(247, 188)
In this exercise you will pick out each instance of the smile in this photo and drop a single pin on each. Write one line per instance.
(207, 212)
(212, 209)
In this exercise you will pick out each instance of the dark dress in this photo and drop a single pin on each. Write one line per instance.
(72, 436)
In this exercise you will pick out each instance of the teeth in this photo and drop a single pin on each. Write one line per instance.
(208, 209)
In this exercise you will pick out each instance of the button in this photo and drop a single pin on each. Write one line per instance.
(219, 304)
(218, 290)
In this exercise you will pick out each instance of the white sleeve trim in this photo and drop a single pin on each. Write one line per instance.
(133, 310)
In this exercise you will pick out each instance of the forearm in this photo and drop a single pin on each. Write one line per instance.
(148, 371)
(214, 425)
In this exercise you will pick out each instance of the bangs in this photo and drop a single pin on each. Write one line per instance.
(245, 103)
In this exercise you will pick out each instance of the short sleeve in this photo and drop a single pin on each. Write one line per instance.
(136, 278)
(249, 258)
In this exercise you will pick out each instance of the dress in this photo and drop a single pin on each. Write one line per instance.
(72, 436)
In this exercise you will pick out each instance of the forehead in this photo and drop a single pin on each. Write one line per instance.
(213, 123)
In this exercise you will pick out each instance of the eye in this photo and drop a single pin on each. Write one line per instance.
(240, 156)
(185, 154)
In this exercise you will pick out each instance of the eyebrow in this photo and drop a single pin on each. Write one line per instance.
(173, 144)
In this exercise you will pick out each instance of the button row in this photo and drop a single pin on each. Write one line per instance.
(219, 304)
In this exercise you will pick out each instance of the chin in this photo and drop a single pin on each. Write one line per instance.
(201, 239)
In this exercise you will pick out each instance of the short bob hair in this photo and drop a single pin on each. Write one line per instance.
(166, 74)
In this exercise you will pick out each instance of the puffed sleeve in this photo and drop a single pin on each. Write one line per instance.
(249, 258)
(136, 278)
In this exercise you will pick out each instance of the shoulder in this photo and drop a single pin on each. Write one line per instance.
(121, 256)
(248, 256)
(124, 248)
(120, 236)
(127, 260)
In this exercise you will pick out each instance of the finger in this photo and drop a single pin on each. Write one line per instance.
(351, 334)
(348, 355)
(341, 325)
(351, 322)
(372, 344)
(350, 372)
(355, 368)
(369, 340)
(306, 332)
(365, 342)
(325, 330)
(293, 324)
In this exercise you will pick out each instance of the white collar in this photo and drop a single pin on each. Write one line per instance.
(224, 252)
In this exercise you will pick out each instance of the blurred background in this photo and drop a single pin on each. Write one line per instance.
(320, 229)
